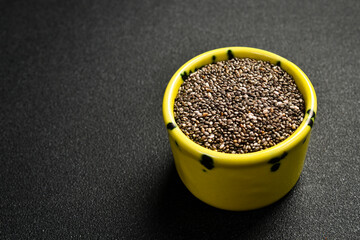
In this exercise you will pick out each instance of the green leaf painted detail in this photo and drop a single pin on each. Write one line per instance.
(184, 75)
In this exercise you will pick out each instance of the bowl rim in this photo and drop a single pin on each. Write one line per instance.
(231, 159)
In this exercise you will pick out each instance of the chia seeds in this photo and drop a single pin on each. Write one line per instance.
(239, 106)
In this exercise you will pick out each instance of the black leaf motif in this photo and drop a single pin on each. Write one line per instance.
(170, 126)
(207, 161)
(276, 162)
(275, 167)
(230, 54)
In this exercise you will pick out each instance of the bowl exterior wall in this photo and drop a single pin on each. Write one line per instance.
(243, 187)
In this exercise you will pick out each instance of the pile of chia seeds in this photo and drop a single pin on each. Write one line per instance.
(239, 106)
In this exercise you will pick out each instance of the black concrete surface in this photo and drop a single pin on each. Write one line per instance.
(84, 152)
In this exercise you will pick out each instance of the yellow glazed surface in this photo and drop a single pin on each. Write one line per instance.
(239, 181)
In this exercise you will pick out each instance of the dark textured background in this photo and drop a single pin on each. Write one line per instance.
(84, 152)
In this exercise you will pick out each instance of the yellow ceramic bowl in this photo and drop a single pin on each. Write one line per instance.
(239, 181)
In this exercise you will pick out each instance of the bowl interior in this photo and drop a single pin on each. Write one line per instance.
(301, 80)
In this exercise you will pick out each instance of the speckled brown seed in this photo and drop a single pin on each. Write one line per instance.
(239, 106)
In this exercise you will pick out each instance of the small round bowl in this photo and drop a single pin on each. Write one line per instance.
(239, 181)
